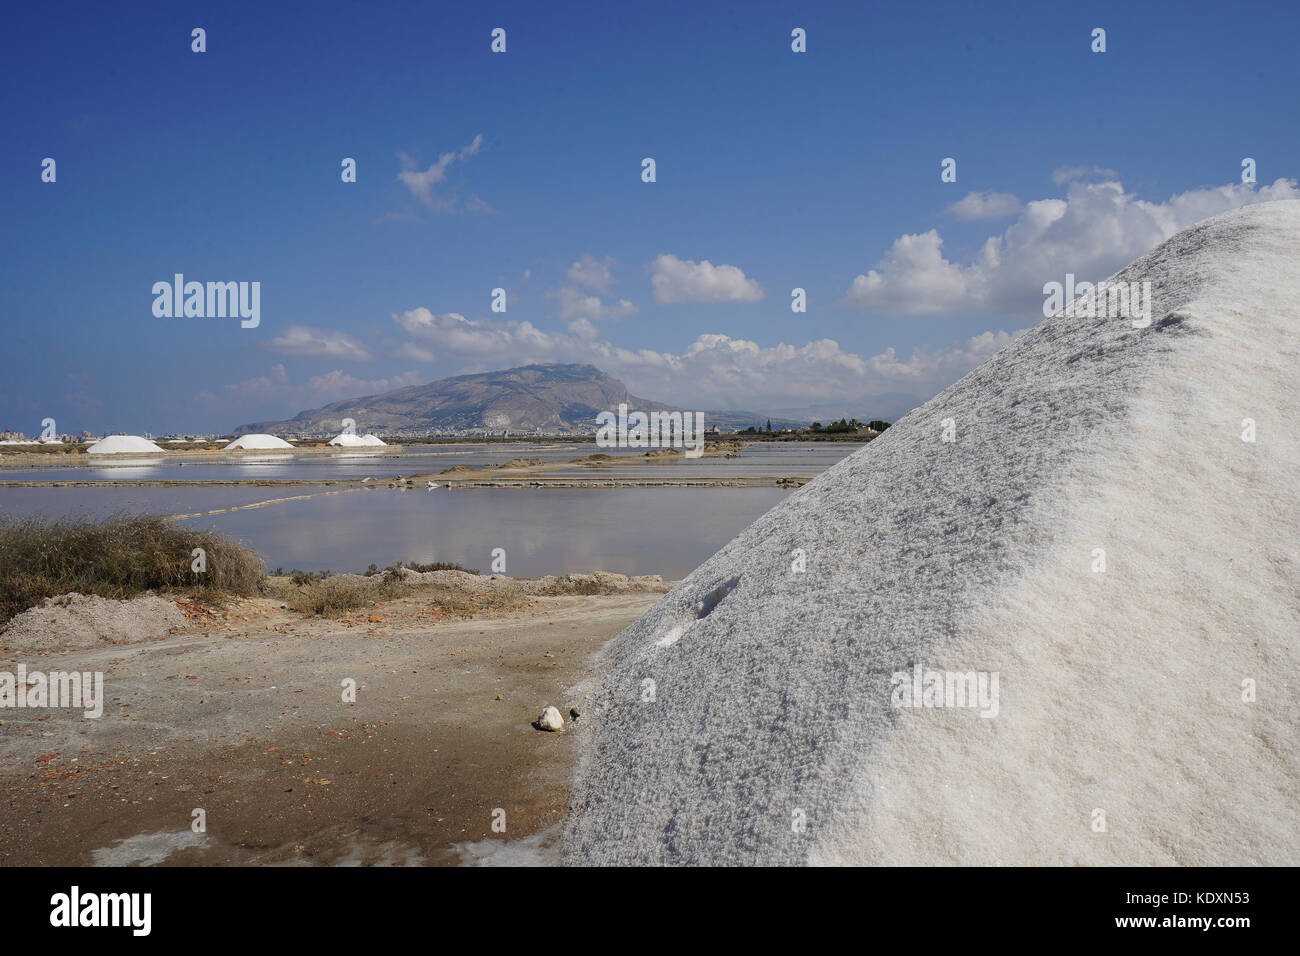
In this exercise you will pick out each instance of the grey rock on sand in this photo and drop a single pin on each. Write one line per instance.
(773, 733)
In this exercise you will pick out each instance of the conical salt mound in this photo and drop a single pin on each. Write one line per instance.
(257, 441)
(1112, 530)
(122, 445)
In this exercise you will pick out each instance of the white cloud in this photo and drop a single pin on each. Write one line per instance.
(1095, 231)
(455, 334)
(677, 281)
(575, 304)
(326, 343)
(592, 273)
(421, 182)
(985, 205)
(583, 329)
(914, 279)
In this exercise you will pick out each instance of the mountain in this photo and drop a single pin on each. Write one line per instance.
(551, 399)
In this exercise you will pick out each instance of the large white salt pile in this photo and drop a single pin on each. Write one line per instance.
(122, 445)
(355, 441)
(257, 441)
(1114, 530)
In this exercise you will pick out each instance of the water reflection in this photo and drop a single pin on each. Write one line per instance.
(666, 531)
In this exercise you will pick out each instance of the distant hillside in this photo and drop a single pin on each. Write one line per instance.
(551, 399)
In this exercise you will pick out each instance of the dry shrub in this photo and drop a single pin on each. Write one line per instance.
(119, 558)
(341, 593)
(461, 603)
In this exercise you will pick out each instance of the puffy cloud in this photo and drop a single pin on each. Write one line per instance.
(720, 372)
(677, 281)
(1095, 231)
(914, 279)
(321, 343)
(985, 205)
(421, 182)
(455, 334)
(583, 329)
(574, 304)
(592, 273)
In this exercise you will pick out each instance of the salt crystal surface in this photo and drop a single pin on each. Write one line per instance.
(770, 736)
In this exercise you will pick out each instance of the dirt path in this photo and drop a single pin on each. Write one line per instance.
(247, 723)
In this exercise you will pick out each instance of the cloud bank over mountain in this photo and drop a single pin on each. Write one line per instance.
(1094, 230)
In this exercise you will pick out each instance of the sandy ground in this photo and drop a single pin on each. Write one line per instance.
(245, 720)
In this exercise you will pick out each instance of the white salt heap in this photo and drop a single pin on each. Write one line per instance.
(122, 445)
(257, 441)
(347, 439)
(1126, 730)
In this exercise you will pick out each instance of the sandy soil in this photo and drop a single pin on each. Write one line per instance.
(244, 719)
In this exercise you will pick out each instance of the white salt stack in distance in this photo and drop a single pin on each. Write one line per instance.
(257, 441)
(122, 445)
(765, 730)
(348, 440)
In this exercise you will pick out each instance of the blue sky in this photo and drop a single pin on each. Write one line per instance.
(790, 169)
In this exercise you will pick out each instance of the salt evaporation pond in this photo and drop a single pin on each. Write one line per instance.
(664, 531)
(757, 459)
